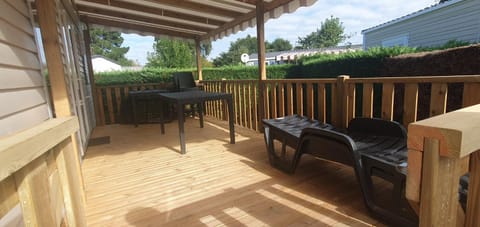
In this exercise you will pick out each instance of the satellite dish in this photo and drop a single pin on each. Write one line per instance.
(244, 58)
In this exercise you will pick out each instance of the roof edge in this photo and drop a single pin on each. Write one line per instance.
(412, 15)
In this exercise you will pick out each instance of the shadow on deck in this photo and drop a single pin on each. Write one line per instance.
(140, 179)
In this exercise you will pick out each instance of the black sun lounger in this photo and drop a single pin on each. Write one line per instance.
(373, 147)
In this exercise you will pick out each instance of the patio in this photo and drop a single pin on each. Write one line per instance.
(141, 179)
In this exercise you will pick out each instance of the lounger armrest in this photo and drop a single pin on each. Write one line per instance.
(329, 145)
(376, 126)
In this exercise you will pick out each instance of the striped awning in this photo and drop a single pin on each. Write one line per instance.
(184, 19)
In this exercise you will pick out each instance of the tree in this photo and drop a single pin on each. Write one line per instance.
(175, 53)
(330, 34)
(232, 56)
(278, 44)
(248, 45)
(109, 44)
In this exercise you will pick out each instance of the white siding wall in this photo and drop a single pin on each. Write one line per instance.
(22, 95)
(460, 21)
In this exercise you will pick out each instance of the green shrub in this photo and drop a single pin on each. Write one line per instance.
(161, 75)
(147, 75)
(368, 63)
(356, 63)
(247, 72)
(449, 44)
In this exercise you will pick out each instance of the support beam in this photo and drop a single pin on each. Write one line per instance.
(262, 72)
(47, 19)
(198, 54)
(261, 40)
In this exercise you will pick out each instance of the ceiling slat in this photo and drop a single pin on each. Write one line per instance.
(83, 10)
(228, 5)
(146, 30)
(199, 19)
(188, 8)
(130, 8)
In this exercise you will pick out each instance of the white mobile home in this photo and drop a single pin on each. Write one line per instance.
(432, 26)
(103, 64)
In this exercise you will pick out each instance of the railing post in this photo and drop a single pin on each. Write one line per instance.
(223, 88)
(443, 144)
(439, 192)
(101, 108)
(340, 119)
(261, 104)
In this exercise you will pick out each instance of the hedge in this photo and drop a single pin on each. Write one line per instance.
(147, 75)
(159, 75)
(368, 63)
(246, 72)
(356, 63)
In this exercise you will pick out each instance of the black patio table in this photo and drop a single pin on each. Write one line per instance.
(198, 97)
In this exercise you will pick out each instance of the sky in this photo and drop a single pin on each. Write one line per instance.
(356, 15)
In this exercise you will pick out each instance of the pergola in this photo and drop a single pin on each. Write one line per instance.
(198, 20)
(195, 20)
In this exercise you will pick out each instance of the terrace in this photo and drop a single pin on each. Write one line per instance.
(50, 177)
(140, 179)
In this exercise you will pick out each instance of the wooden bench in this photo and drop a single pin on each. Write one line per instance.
(373, 147)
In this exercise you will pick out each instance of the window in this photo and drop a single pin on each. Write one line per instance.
(401, 40)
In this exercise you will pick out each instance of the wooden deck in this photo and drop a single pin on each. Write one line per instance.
(140, 179)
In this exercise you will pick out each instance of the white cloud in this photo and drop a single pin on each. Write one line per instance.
(356, 15)
(139, 46)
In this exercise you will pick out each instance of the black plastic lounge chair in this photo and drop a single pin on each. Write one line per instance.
(373, 147)
(287, 130)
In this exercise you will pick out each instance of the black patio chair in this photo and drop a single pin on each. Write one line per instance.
(183, 81)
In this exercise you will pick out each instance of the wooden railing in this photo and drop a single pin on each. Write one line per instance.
(408, 99)
(311, 97)
(40, 176)
(110, 99)
(336, 101)
(245, 101)
(439, 151)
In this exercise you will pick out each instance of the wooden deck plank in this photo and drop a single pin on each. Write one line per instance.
(140, 179)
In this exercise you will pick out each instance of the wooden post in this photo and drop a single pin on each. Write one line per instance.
(439, 192)
(198, 54)
(367, 101)
(223, 88)
(443, 145)
(47, 19)
(262, 72)
(86, 37)
(388, 94)
(410, 103)
(340, 119)
(33, 193)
